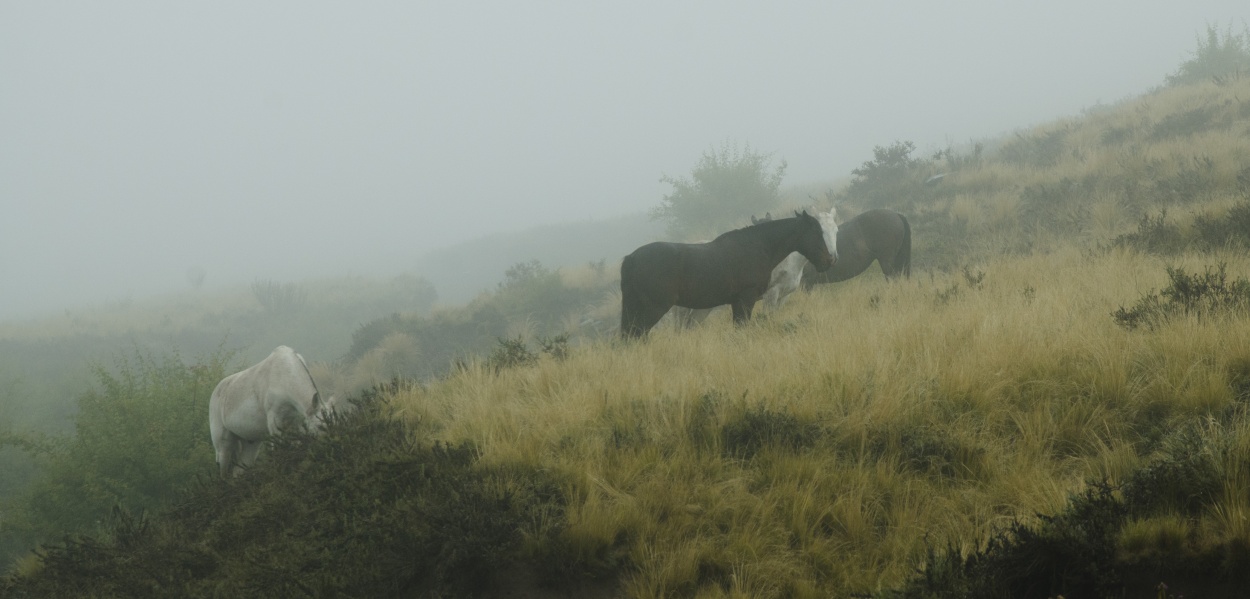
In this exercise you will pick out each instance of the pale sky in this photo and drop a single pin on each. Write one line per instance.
(289, 140)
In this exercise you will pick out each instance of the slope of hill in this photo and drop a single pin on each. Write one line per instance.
(1055, 403)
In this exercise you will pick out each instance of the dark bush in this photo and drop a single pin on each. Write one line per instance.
(556, 347)
(1183, 477)
(1041, 150)
(362, 511)
(760, 428)
(279, 298)
(141, 437)
(892, 178)
(942, 455)
(443, 337)
(1193, 180)
(1154, 235)
(1202, 295)
(1217, 55)
(1233, 229)
(531, 291)
(1058, 206)
(1180, 124)
(510, 353)
(1071, 555)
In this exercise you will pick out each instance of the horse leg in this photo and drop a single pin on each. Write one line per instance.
(631, 322)
(651, 314)
(638, 317)
(742, 310)
(773, 298)
(683, 318)
(247, 456)
(227, 446)
(689, 318)
(634, 313)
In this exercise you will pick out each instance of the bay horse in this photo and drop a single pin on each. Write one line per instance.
(735, 269)
(879, 234)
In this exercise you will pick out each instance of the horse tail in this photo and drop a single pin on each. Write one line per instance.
(903, 258)
(629, 326)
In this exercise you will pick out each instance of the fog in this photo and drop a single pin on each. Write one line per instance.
(288, 140)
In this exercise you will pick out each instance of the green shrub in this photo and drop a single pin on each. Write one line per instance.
(509, 354)
(1071, 554)
(1180, 124)
(1058, 206)
(1202, 295)
(1183, 477)
(1041, 150)
(139, 439)
(1217, 55)
(531, 291)
(725, 188)
(1154, 235)
(279, 298)
(361, 511)
(1194, 180)
(760, 428)
(1233, 229)
(443, 337)
(892, 178)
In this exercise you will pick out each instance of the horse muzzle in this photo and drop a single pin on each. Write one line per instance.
(833, 259)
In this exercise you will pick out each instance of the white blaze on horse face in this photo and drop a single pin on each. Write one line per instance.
(828, 222)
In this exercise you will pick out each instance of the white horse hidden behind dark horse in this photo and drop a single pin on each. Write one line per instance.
(248, 406)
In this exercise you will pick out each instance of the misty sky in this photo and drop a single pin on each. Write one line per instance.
(287, 140)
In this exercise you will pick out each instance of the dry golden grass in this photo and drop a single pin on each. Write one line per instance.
(944, 408)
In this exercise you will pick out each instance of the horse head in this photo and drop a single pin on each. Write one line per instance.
(829, 223)
(814, 242)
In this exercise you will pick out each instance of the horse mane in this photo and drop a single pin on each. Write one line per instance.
(769, 222)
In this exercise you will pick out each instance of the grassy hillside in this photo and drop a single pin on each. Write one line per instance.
(823, 449)
(1055, 403)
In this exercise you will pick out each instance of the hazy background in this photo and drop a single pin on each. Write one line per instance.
(294, 139)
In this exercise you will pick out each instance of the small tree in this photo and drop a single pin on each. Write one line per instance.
(140, 437)
(1219, 54)
(413, 292)
(279, 298)
(533, 291)
(725, 188)
(893, 176)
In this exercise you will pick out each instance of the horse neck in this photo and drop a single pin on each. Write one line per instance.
(779, 237)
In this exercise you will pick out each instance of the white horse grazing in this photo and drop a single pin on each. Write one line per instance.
(786, 277)
(249, 406)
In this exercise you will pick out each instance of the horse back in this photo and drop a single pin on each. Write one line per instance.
(697, 275)
(280, 382)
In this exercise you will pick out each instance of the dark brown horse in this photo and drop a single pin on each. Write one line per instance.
(881, 235)
(733, 269)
